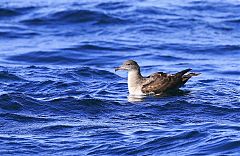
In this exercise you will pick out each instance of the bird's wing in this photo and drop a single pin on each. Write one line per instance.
(160, 82)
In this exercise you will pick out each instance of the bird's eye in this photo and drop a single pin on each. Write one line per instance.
(128, 64)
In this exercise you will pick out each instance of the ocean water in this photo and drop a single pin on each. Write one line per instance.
(59, 94)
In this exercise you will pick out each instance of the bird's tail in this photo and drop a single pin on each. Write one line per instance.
(192, 74)
(181, 73)
(185, 78)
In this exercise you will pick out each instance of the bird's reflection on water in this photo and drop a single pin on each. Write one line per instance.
(136, 98)
(141, 98)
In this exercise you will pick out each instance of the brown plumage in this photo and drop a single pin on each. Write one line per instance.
(161, 82)
(156, 83)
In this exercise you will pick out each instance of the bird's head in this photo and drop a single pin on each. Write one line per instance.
(128, 65)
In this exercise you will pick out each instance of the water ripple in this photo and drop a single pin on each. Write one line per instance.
(59, 94)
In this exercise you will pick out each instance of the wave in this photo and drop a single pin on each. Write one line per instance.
(75, 16)
(208, 6)
(202, 49)
(19, 102)
(9, 103)
(231, 72)
(101, 46)
(12, 103)
(6, 76)
(97, 74)
(43, 57)
(14, 11)
(5, 12)
(12, 34)
(220, 146)
(24, 117)
(68, 56)
(53, 128)
(233, 20)
(146, 10)
(113, 6)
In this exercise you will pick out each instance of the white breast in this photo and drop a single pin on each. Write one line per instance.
(135, 90)
(134, 83)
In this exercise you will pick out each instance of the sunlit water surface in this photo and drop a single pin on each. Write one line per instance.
(59, 94)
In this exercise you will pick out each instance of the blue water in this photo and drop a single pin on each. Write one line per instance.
(59, 94)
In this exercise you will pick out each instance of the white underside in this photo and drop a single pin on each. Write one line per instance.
(134, 86)
(135, 90)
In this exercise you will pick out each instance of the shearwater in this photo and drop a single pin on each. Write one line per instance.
(156, 83)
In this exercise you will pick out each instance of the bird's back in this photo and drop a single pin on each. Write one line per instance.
(161, 82)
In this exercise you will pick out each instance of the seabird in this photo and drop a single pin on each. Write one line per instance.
(156, 83)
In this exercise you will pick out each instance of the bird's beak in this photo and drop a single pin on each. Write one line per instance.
(120, 68)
